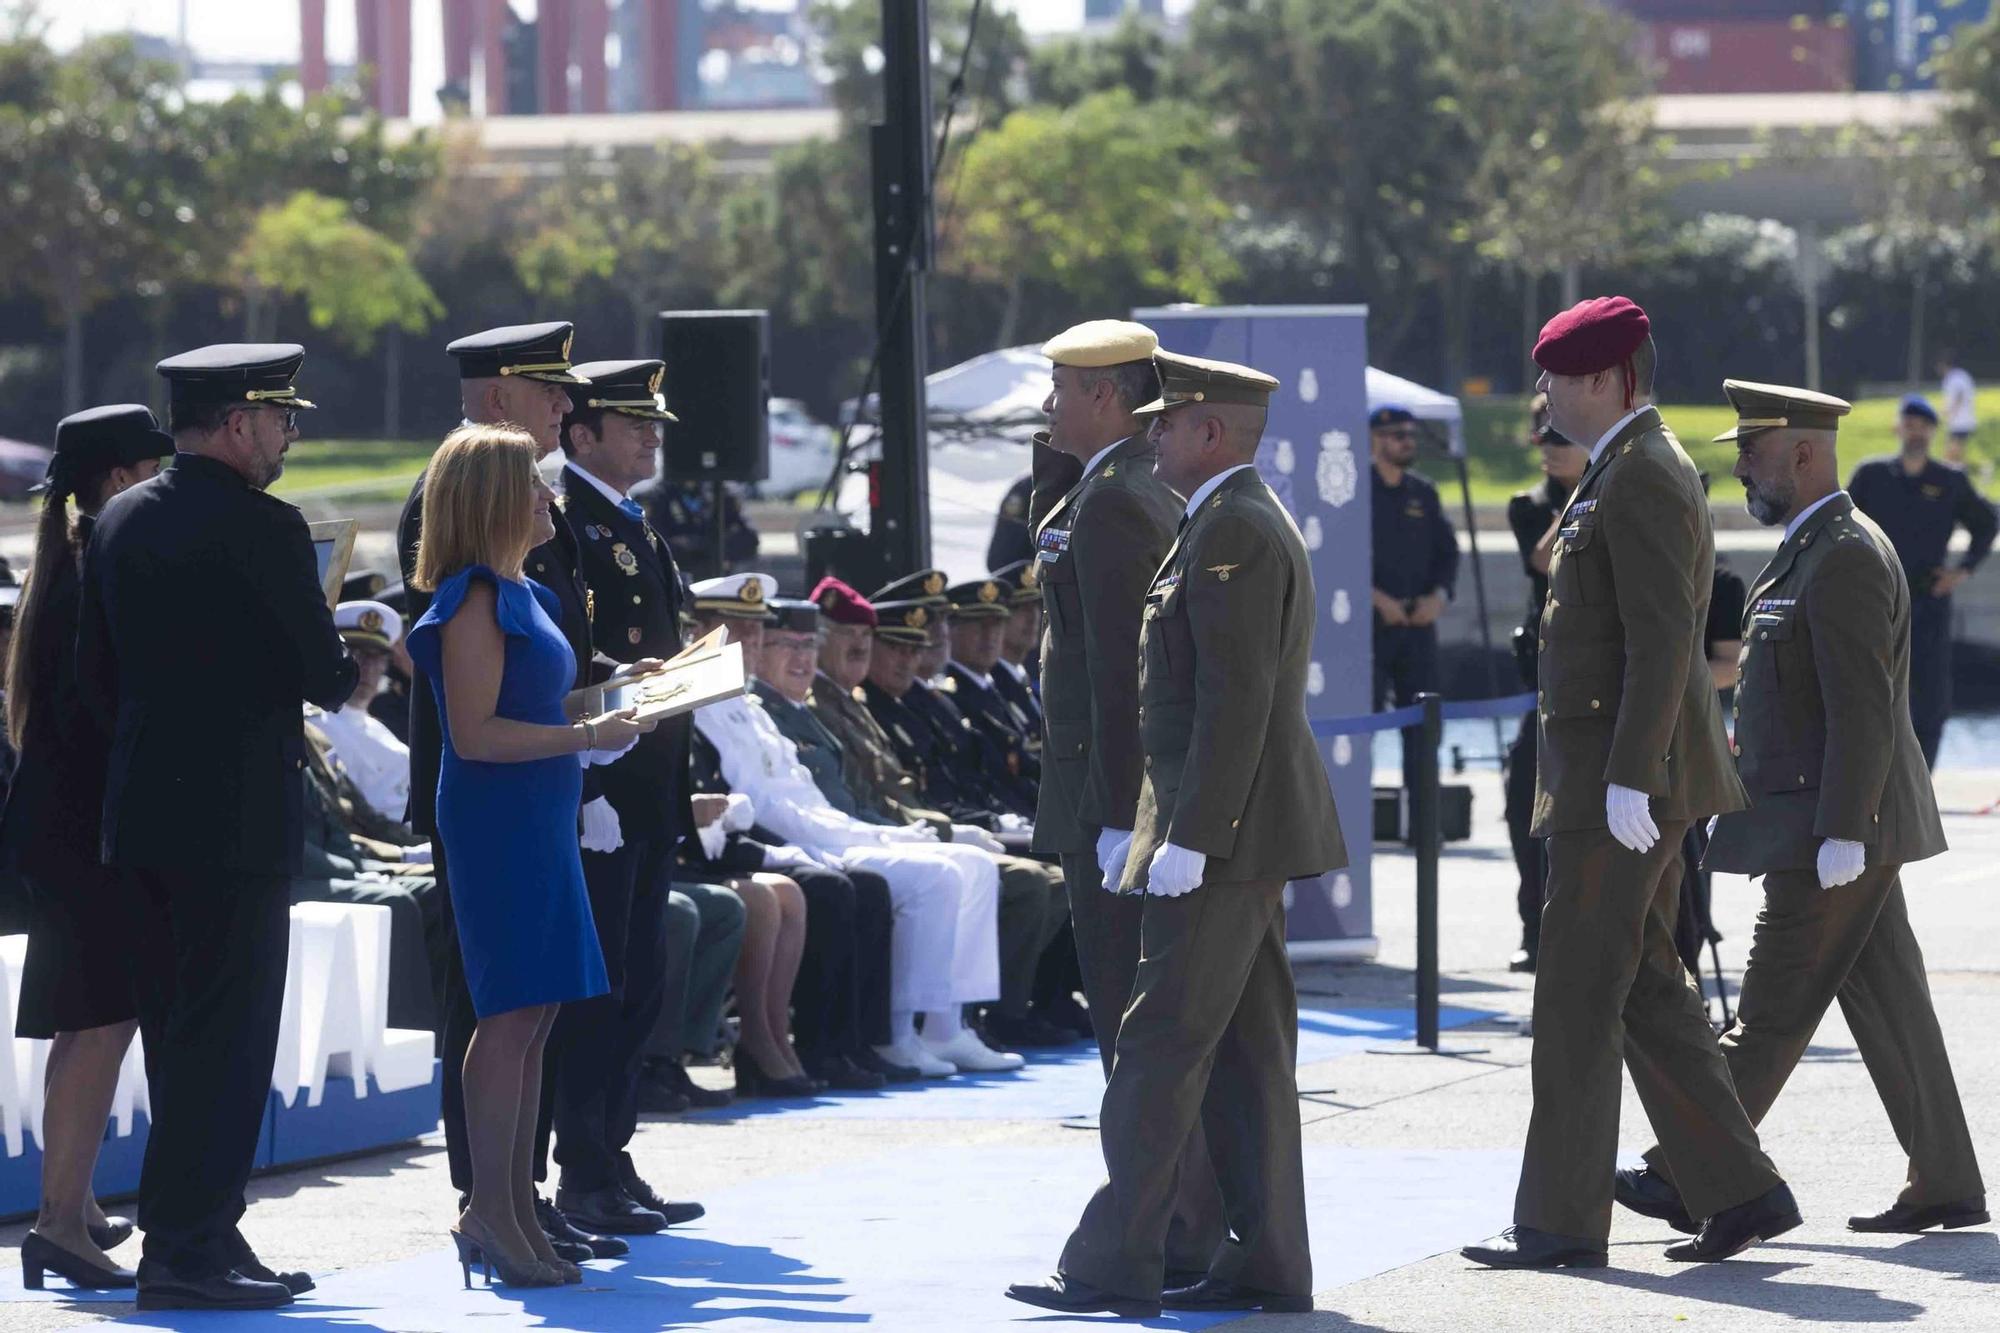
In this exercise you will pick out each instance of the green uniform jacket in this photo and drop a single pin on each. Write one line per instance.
(1823, 736)
(869, 767)
(1231, 767)
(1098, 549)
(1624, 692)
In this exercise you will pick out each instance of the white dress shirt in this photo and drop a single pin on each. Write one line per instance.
(1807, 513)
(372, 756)
(1616, 426)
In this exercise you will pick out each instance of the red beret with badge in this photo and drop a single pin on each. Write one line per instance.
(1594, 335)
(841, 604)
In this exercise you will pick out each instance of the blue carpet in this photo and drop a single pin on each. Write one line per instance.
(914, 1241)
(1069, 1082)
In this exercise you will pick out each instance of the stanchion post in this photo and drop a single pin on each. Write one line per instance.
(1429, 840)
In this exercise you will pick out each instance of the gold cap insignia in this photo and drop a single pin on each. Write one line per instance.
(653, 384)
(1029, 579)
(828, 602)
(568, 338)
(752, 591)
(916, 617)
(934, 584)
(989, 592)
(372, 621)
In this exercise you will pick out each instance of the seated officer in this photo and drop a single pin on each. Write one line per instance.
(979, 620)
(1019, 676)
(378, 762)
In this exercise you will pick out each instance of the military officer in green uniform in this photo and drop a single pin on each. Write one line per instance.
(1632, 750)
(1234, 804)
(1840, 801)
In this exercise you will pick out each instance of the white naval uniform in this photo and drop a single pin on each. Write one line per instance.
(372, 756)
(945, 949)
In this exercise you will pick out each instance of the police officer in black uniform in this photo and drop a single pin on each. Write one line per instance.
(1416, 567)
(1019, 676)
(518, 374)
(611, 438)
(979, 615)
(204, 794)
(1919, 502)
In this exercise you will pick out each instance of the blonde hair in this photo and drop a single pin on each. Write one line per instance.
(478, 504)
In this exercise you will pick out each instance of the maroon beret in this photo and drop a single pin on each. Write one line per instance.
(1592, 335)
(842, 605)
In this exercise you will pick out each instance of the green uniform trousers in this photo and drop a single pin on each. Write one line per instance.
(1107, 951)
(1609, 983)
(1852, 943)
(1032, 911)
(1211, 1038)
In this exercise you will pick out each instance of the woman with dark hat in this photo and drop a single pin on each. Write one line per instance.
(76, 988)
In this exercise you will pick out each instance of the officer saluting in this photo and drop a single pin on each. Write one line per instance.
(204, 794)
(1840, 801)
(1235, 803)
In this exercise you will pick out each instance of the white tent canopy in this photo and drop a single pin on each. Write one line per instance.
(1386, 390)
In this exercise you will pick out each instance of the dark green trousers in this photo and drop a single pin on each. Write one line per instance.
(1107, 952)
(1852, 943)
(1210, 1038)
(1608, 983)
(1033, 908)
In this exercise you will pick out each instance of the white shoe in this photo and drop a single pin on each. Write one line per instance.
(911, 1053)
(973, 1056)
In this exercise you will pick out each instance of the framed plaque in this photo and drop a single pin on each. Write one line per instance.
(333, 547)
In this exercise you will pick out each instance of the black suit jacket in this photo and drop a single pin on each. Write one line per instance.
(631, 575)
(202, 628)
(552, 564)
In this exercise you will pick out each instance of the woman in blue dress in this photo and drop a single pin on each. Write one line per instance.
(507, 801)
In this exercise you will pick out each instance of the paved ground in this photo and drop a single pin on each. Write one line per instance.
(1462, 1110)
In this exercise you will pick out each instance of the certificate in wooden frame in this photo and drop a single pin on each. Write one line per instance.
(333, 547)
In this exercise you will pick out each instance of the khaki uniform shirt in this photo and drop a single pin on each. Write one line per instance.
(1823, 736)
(1623, 691)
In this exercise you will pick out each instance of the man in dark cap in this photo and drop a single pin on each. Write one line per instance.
(1632, 750)
(611, 438)
(1921, 503)
(203, 796)
(517, 375)
(979, 617)
(1840, 801)
(1019, 677)
(1415, 569)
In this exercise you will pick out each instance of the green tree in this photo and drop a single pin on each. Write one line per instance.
(646, 227)
(851, 54)
(1101, 205)
(1136, 55)
(99, 183)
(355, 282)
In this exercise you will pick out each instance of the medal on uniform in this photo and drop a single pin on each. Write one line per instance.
(622, 554)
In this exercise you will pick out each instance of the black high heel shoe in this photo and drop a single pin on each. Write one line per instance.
(41, 1255)
(111, 1233)
(475, 1247)
(752, 1081)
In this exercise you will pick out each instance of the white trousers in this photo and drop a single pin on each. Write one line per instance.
(945, 949)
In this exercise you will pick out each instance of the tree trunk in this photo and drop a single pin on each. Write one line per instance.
(73, 357)
(159, 314)
(252, 298)
(1457, 299)
(1010, 314)
(392, 383)
(1572, 283)
(1913, 365)
(643, 313)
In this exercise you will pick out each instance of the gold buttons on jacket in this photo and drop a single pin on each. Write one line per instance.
(1236, 823)
(1594, 703)
(1802, 779)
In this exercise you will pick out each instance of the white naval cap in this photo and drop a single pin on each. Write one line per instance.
(373, 623)
(743, 596)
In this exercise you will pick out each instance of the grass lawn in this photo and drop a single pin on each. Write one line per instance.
(1500, 464)
(366, 465)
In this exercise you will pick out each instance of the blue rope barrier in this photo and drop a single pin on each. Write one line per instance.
(1396, 719)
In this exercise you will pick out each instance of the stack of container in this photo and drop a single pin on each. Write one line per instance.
(1796, 46)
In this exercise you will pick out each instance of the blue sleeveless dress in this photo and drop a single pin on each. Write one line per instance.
(510, 830)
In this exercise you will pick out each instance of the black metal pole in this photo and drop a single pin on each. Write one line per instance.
(899, 521)
(718, 530)
(1479, 595)
(1429, 843)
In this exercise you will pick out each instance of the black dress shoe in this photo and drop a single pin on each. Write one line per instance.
(1525, 1247)
(843, 1075)
(888, 1069)
(41, 1255)
(657, 1098)
(1734, 1230)
(245, 1261)
(161, 1288)
(1522, 961)
(1072, 1297)
(1067, 1013)
(673, 1076)
(572, 1244)
(637, 1189)
(608, 1211)
(1650, 1194)
(1029, 1030)
(752, 1081)
(1923, 1216)
(1214, 1293)
(111, 1233)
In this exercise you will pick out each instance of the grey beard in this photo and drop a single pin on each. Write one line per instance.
(1764, 508)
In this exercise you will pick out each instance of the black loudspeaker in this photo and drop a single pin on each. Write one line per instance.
(718, 383)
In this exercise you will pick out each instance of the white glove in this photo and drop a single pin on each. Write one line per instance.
(974, 836)
(1841, 862)
(420, 853)
(907, 833)
(1112, 844)
(1010, 822)
(739, 815)
(788, 857)
(600, 827)
(1175, 870)
(1630, 818)
(602, 757)
(713, 838)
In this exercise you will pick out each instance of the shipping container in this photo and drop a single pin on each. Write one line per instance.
(1895, 40)
(1749, 56)
(1681, 11)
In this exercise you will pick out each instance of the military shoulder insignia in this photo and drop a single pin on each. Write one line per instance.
(1110, 469)
(1222, 572)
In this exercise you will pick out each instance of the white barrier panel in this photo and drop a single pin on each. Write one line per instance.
(13, 1069)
